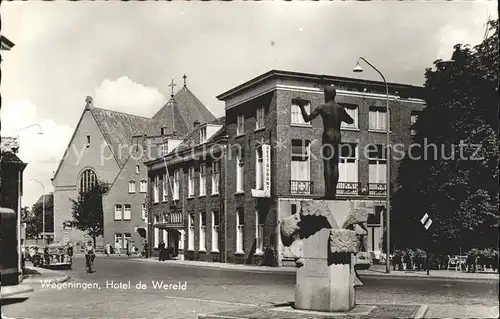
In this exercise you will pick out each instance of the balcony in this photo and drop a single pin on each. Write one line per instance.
(348, 188)
(301, 187)
(377, 189)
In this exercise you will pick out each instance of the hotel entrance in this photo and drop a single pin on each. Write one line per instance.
(172, 232)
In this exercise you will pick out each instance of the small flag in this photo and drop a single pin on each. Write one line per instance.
(426, 221)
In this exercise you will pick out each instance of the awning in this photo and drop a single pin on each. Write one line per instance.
(169, 226)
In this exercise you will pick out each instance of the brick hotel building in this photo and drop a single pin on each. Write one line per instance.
(230, 181)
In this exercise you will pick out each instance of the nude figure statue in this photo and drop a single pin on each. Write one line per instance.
(333, 115)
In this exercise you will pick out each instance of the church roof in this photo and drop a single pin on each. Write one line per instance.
(183, 110)
(118, 129)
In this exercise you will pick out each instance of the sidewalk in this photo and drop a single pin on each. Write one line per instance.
(375, 270)
(45, 275)
(379, 270)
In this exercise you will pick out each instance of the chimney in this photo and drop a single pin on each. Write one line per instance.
(196, 123)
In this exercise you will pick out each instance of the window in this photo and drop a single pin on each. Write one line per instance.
(88, 179)
(119, 239)
(375, 218)
(294, 209)
(297, 114)
(203, 135)
(260, 118)
(118, 212)
(156, 189)
(203, 230)
(413, 121)
(203, 179)
(240, 223)
(352, 110)
(176, 184)
(259, 233)
(127, 238)
(164, 231)
(131, 186)
(215, 231)
(240, 166)
(144, 186)
(377, 118)
(348, 163)
(127, 213)
(191, 232)
(300, 166)
(191, 181)
(156, 235)
(165, 187)
(144, 212)
(163, 149)
(88, 140)
(240, 124)
(377, 161)
(137, 169)
(215, 177)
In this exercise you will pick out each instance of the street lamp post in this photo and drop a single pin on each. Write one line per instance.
(43, 210)
(358, 68)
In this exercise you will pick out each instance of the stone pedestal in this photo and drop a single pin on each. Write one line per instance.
(325, 281)
(322, 285)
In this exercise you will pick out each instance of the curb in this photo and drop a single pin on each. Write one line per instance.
(425, 277)
(420, 312)
(20, 289)
(55, 280)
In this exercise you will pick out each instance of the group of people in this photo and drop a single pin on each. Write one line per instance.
(129, 249)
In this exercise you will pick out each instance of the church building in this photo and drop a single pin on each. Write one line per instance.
(111, 146)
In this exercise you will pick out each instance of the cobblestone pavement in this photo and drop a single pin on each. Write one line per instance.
(211, 290)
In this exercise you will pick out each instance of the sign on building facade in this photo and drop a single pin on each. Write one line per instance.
(266, 164)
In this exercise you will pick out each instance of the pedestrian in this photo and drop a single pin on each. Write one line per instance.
(146, 249)
(133, 248)
(162, 251)
(70, 252)
(127, 247)
(107, 249)
(117, 247)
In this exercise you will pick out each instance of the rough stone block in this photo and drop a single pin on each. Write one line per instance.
(343, 241)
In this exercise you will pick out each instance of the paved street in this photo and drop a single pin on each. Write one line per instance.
(209, 290)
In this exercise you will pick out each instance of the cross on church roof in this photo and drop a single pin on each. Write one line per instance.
(185, 77)
(171, 85)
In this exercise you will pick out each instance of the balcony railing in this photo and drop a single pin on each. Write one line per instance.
(348, 188)
(377, 189)
(301, 187)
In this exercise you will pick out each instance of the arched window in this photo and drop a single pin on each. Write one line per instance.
(88, 178)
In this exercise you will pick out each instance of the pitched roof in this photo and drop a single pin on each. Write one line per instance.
(187, 109)
(118, 129)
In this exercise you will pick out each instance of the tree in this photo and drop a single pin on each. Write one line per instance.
(88, 211)
(456, 181)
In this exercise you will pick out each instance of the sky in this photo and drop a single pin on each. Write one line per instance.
(125, 54)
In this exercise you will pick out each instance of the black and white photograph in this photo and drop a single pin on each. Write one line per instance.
(249, 159)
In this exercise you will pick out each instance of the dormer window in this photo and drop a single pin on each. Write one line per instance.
(163, 149)
(88, 140)
(163, 130)
(203, 135)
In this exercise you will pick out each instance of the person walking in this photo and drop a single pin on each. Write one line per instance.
(162, 251)
(127, 247)
(118, 247)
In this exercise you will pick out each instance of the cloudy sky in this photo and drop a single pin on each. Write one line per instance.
(125, 54)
